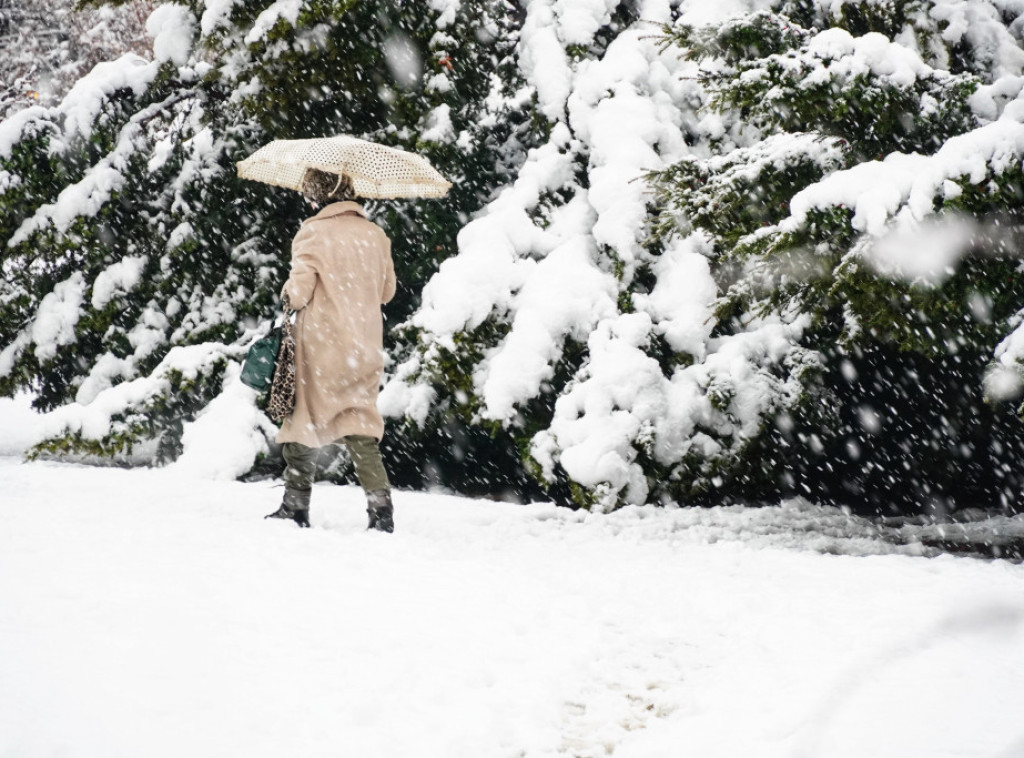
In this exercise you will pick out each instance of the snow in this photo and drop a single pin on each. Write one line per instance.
(704, 13)
(439, 125)
(100, 405)
(777, 152)
(544, 61)
(404, 397)
(104, 371)
(975, 24)
(403, 60)
(149, 332)
(980, 25)
(8, 181)
(580, 20)
(216, 14)
(287, 10)
(223, 442)
(13, 127)
(1005, 380)
(117, 279)
(905, 186)
(850, 57)
(625, 108)
(13, 351)
(154, 612)
(446, 10)
(57, 316)
(565, 296)
(926, 253)
(21, 426)
(681, 303)
(83, 103)
(84, 198)
(143, 613)
(989, 100)
(743, 369)
(439, 83)
(172, 27)
(598, 419)
(226, 438)
(202, 152)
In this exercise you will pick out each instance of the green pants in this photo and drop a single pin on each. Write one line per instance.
(365, 453)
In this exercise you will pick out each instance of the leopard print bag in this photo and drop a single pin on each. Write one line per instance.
(281, 402)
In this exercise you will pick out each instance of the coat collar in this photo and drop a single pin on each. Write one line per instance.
(336, 209)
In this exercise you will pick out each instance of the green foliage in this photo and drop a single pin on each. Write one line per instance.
(890, 18)
(767, 70)
(894, 346)
(737, 41)
(736, 195)
(155, 422)
(117, 446)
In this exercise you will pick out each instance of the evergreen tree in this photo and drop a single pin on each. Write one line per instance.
(137, 266)
(742, 334)
(877, 192)
(555, 342)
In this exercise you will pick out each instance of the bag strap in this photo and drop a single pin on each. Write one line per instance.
(285, 309)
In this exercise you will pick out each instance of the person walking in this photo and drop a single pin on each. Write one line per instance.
(341, 275)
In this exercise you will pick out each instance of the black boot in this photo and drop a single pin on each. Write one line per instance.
(295, 506)
(380, 511)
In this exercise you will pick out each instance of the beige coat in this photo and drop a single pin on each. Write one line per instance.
(341, 274)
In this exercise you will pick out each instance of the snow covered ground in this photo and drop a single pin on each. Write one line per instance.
(146, 614)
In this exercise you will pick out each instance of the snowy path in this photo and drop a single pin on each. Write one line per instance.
(146, 615)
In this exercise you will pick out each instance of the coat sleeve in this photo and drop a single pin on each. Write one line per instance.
(389, 277)
(302, 280)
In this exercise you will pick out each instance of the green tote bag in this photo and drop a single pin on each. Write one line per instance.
(270, 365)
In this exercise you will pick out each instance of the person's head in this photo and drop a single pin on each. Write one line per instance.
(322, 187)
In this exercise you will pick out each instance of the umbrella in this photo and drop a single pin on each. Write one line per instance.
(375, 170)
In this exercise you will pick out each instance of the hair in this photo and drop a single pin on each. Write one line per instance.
(322, 187)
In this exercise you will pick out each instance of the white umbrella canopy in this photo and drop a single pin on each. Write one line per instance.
(376, 171)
